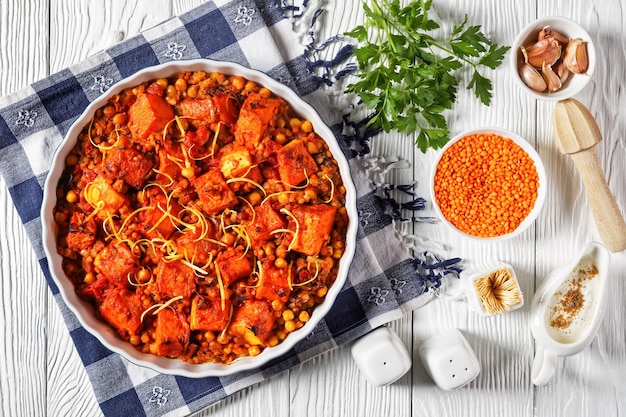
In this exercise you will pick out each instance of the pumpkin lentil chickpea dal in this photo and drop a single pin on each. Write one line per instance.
(485, 185)
(201, 217)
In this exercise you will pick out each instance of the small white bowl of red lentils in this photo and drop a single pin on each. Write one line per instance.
(488, 184)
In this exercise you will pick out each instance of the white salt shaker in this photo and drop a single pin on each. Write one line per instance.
(449, 359)
(381, 356)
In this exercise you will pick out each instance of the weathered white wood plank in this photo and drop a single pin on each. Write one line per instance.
(22, 318)
(502, 344)
(23, 59)
(592, 382)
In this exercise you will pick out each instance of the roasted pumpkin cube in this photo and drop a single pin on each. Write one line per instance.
(295, 163)
(148, 114)
(101, 196)
(175, 278)
(227, 107)
(199, 109)
(213, 192)
(82, 234)
(115, 261)
(169, 169)
(172, 333)
(316, 222)
(207, 313)
(122, 309)
(266, 220)
(196, 244)
(254, 117)
(253, 321)
(235, 161)
(128, 165)
(233, 266)
(274, 284)
(157, 220)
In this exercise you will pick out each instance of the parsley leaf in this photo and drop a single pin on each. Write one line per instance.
(408, 78)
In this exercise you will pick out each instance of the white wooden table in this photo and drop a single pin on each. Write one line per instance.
(41, 374)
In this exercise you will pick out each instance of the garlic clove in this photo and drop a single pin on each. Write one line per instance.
(546, 51)
(531, 77)
(575, 56)
(551, 78)
(562, 71)
(546, 32)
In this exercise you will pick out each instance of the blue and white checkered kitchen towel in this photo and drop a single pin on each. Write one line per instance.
(383, 284)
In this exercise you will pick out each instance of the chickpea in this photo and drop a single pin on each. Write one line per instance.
(321, 292)
(192, 91)
(306, 126)
(109, 111)
(255, 198)
(219, 77)
(228, 239)
(238, 83)
(290, 326)
(162, 82)
(311, 146)
(119, 119)
(254, 350)
(304, 316)
(134, 340)
(288, 315)
(90, 278)
(295, 124)
(272, 341)
(283, 198)
(280, 263)
(71, 160)
(280, 138)
(170, 92)
(71, 197)
(143, 275)
(265, 93)
(277, 305)
(281, 251)
(180, 84)
(269, 248)
(60, 217)
(250, 86)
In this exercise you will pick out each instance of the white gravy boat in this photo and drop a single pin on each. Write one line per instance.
(567, 309)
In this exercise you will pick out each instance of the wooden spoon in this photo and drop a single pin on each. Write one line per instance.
(577, 134)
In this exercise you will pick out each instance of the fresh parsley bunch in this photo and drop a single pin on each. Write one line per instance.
(407, 76)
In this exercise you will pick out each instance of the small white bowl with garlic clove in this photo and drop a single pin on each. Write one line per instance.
(553, 58)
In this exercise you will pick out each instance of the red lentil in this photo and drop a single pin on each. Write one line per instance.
(485, 185)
